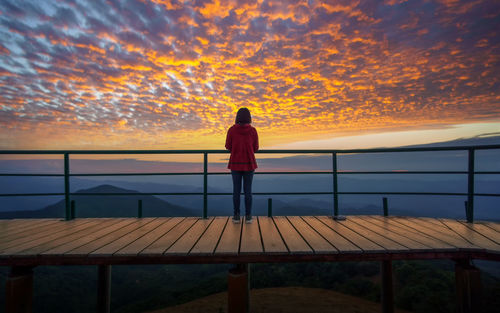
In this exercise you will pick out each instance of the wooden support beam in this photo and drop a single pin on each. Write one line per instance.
(19, 290)
(468, 287)
(387, 294)
(238, 289)
(104, 289)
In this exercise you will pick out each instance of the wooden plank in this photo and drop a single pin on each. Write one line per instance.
(388, 234)
(431, 221)
(471, 235)
(164, 242)
(230, 240)
(94, 225)
(364, 243)
(251, 241)
(359, 228)
(492, 225)
(68, 228)
(443, 234)
(315, 241)
(207, 243)
(336, 240)
(185, 243)
(16, 223)
(89, 238)
(271, 238)
(426, 222)
(28, 233)
(293, 240)
(484, 230)
(409, 233)
(86, 249)
(134, 248)
(8, 228)
(119, 243)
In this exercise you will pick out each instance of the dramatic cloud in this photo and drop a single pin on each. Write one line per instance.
(172, 73)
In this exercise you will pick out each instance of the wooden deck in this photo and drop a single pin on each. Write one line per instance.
(218, 240)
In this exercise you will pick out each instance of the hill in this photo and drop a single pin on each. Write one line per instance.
(289, 299)
(107, 206)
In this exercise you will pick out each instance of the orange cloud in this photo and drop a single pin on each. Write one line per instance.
(170, 74)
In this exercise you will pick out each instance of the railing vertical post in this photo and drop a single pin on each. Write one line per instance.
(269, 207)
(335, 185)
(139, 209)
(73, 210)
(386, 206)
(205, 184)
(470, 184)
(66, 187)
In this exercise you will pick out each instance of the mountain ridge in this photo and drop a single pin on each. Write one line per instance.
(106, 206)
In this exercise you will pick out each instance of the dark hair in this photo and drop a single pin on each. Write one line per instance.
(243, 116)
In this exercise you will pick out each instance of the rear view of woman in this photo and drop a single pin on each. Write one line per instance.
(242, 141)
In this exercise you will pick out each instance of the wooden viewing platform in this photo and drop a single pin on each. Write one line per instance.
(25, 243)
(31, 242)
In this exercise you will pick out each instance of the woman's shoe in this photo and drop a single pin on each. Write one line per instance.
(236, 219)
(248, 219)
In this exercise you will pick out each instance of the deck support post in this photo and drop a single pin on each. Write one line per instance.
(19, 290)
(387, 295)
(468, 286)
(238, 289)
(104, 289)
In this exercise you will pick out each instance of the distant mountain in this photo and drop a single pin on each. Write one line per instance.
(106, 206)
(480, 140)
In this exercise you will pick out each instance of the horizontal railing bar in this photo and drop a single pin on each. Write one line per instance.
(137, 194)
(111, 151)
(356, 172)
(318, 151)
(30, 194)
(267, 173)
(193, 193)
(261, 173)
(254, 193)
(273, 193)
(9, 174)
(404, 193)
(402, 172)
(487, 194)
(140, 174)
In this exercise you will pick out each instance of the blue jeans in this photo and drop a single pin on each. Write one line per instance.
(247, 177)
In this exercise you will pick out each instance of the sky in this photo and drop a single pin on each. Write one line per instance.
(171, 74)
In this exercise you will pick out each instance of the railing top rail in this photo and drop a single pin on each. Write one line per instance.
(273, 151)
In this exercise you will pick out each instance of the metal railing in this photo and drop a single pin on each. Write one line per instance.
(335, 172)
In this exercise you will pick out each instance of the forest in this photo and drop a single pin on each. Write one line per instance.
(420, 286)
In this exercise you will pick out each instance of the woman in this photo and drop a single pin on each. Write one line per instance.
(242, 141)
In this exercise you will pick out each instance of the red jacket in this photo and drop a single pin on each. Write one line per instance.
(243, 141)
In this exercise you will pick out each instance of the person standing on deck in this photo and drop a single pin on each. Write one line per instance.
(242, 141)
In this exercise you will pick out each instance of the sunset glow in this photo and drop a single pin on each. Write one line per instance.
(171, 74)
